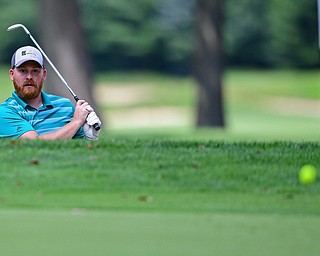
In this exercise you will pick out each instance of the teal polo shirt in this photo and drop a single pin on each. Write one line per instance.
(18, 117)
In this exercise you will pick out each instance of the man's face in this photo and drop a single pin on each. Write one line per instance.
(28, 79)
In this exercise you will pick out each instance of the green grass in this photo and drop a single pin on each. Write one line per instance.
(259, 105)
(145, 165)
(172, 190)
(288, 83)
(158, 197)
(130, 233)
(6, 84)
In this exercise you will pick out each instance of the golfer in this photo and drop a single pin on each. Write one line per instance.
(31, 113)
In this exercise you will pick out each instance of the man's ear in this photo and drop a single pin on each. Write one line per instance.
(44, 74)
(11, 71)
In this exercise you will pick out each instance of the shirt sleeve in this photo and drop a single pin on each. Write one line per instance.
(79, 134)
(12, 125)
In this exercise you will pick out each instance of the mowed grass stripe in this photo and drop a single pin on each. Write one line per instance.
(219, 202)
(44, 232)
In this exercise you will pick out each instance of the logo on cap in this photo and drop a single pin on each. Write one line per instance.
(24, 53)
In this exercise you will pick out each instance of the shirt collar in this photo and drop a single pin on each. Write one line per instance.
(46, 102)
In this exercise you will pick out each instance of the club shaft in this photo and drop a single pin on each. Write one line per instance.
(53, 67)
(95, 126)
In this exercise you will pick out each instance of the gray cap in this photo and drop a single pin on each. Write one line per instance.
(24, 54)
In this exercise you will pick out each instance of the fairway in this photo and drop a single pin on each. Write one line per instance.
(77, 232)
(259, 105)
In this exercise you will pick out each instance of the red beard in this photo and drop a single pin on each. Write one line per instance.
(28, 91)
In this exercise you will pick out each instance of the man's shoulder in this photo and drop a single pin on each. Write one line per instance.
(10, 108)
(58, 100)
(55, 97)
(10, 103)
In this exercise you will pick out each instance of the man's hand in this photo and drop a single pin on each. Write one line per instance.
(89, 131)
(81, 112)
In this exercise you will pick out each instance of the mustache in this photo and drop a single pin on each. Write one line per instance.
(30, 83)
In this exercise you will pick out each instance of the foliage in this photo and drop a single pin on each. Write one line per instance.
(246, 32)
(13, 12)
(293, 33)
(159, 34)
(144, 33)
(271, 33)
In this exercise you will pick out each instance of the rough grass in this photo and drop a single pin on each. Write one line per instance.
(130, 168)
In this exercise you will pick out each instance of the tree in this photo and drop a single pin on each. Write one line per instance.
(293, 33)
(64, 42)
(209, 63)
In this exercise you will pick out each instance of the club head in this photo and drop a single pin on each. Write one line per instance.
(15, 26)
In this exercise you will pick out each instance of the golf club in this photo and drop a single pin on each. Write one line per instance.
(15, 26)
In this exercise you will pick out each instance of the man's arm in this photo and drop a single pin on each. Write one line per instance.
(67, 131)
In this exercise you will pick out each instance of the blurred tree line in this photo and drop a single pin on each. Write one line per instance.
(160, 34)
